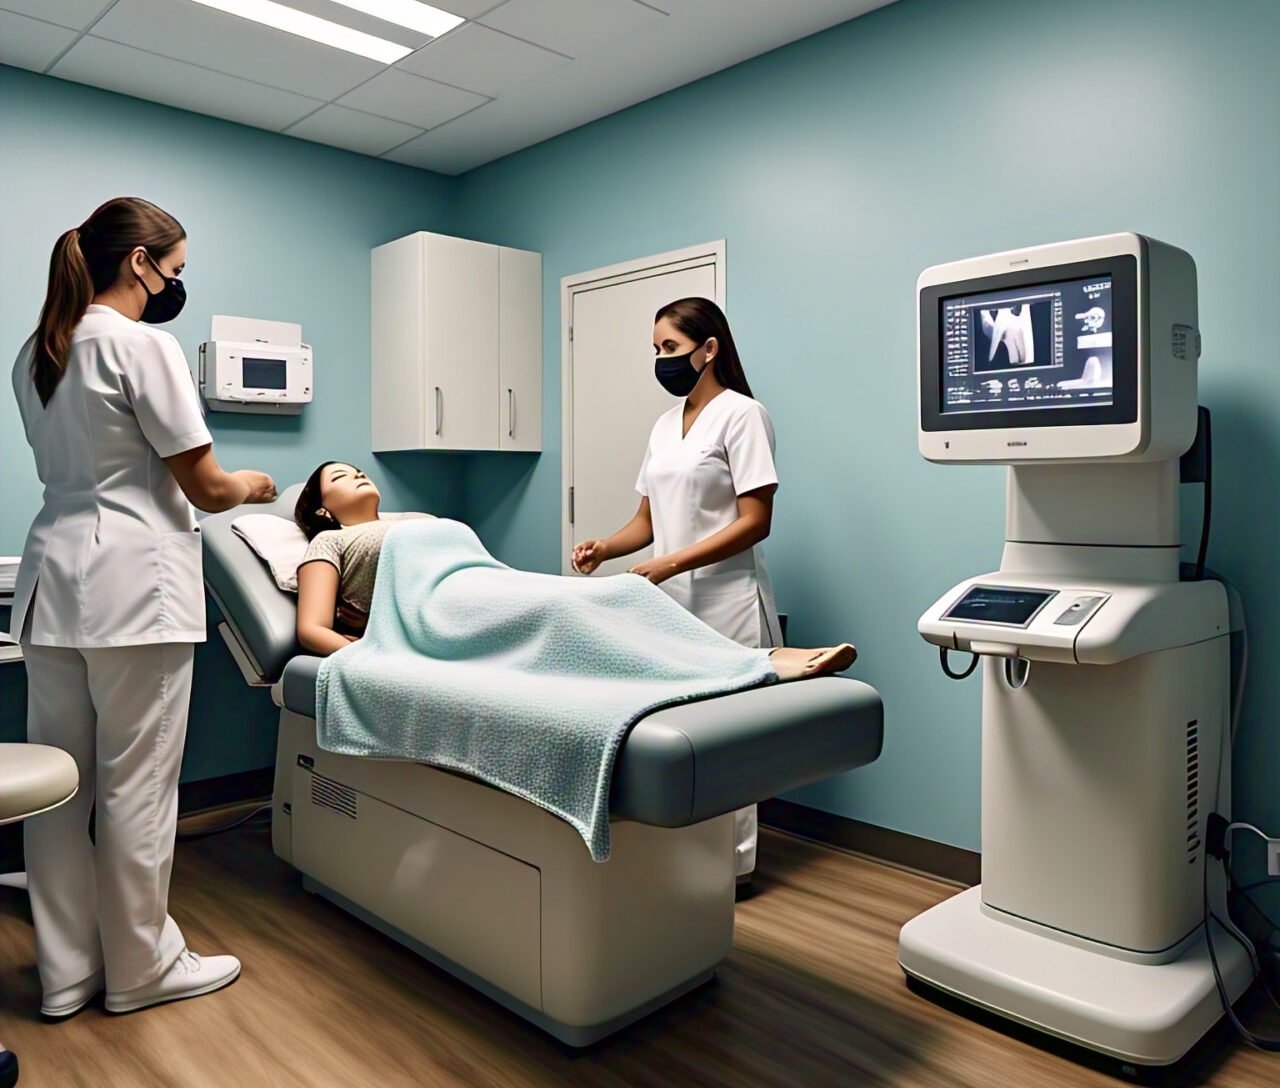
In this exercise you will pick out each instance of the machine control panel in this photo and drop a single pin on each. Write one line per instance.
(1080, 610)
(1003, 606)
(1059, 618)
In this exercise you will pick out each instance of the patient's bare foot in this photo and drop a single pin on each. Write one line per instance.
(796, 664)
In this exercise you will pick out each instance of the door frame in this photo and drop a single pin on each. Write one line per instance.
(713, 253)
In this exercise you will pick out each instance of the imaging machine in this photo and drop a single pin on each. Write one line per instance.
(1105, 676)
(497, 890)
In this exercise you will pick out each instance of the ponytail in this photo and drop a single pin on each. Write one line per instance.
(86, 261)
(69, 294)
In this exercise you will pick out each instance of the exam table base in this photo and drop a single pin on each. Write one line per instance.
(504, 895)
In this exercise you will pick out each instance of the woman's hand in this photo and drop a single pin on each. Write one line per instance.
(587, 556)
(262, 488)
(656, 570)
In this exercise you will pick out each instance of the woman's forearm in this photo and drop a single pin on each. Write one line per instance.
(636, 534)
(744, 533)
(322, 641)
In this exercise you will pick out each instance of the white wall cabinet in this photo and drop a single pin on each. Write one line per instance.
(456, 345)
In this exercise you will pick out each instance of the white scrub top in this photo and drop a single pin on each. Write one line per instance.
(693, 482)
(115, 548)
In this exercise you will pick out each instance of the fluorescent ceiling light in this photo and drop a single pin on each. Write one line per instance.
(320, 30)
(410, 13)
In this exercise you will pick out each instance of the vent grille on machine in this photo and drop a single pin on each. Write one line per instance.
(327, 793)
(1193, 792)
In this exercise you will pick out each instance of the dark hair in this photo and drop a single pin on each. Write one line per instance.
(700, 319)
(306, 514)
(85, 261)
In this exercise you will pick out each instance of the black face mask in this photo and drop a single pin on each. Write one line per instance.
(676, 374)
(165, 304)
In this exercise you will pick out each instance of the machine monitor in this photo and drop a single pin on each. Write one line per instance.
(1053, 347)
(1081, 351)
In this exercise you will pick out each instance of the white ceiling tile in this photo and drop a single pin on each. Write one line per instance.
(29, 43)
(468, 9)
(353, 130)
(358, 20)
(677, 7)
(411, 99)
(172, 83)
(697, 38)
(226, 43)
(76, 14)
(482, 60)
(420, 152)
(666, 55)
(573, 27)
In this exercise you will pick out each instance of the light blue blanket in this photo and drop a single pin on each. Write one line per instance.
(529, 682)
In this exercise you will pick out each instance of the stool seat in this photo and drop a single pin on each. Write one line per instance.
(33, 779)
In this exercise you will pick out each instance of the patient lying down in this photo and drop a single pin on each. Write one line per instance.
(338, 512)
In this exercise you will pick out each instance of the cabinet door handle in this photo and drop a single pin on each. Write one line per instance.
(439, 410)
(511, 413)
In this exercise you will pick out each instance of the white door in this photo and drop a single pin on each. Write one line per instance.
(612, 397)
(461, 344)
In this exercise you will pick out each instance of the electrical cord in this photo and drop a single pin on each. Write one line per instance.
(1017, 671)
(1262, 975)
(1240, 680)
(1271, 1046)
(1258, 1042)
(1244, 889)
(944, 656)
(187, 836)
(1206, 516)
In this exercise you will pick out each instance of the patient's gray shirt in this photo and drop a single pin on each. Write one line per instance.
(354, 551)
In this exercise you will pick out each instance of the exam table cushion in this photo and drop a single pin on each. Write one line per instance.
(691, 762)
(277, 542)
(263, 616)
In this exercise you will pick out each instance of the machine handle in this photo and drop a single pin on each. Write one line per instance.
(439, 410)
(994, 649)
(511, 413)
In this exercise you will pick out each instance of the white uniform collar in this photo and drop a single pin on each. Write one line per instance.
(99, 308)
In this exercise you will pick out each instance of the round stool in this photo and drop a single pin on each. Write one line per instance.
(34, 778)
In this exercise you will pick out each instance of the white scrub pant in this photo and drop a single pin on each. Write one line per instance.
(746, 823)
(122, 714)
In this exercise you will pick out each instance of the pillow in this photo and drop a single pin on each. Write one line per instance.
(278, 542)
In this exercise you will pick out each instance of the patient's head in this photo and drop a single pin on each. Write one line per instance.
(336, 494)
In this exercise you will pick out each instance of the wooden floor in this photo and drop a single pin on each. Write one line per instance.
(811, 995)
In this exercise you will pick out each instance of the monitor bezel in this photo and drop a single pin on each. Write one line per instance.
(1123, 409)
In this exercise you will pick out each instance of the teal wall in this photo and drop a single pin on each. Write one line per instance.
(278, 228)
(837, 169)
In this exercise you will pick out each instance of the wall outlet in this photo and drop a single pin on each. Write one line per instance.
(1273, 857)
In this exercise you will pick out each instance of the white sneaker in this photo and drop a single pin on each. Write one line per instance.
(190, 976)
(70, 1000)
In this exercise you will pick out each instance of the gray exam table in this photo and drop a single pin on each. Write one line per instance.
(498, 891)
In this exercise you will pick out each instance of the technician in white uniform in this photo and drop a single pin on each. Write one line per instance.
(707, 484)
(109, 603)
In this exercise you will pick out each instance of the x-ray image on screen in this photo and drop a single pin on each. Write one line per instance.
(1040, 346)
(1009, 337)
